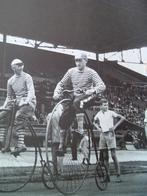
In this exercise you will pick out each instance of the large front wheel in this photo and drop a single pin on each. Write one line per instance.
(17, 171)
(70, 169)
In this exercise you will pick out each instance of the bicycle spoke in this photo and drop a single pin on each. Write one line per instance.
(101, 176)
(16, 172)
(68, 175)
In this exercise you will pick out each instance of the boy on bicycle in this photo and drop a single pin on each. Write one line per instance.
(104, 122)
(85, 82)
(21, 88)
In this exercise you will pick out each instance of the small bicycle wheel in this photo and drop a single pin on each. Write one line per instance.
(69, 170)
(101, 176)
(16, 172)
(46, 176)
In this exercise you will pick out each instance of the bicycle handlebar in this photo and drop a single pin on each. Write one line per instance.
(68, 91)
(4, 110)
(72, 91)
(13, 100)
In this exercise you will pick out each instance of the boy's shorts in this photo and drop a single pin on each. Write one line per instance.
(107, 140)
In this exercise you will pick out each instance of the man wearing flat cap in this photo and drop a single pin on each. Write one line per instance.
(20, 88)
(85, 82)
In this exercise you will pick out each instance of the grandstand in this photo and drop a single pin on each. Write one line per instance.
(47, 68)
(95, 27)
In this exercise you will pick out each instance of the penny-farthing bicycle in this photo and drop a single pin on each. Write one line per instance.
(68, 174)
(17, 170)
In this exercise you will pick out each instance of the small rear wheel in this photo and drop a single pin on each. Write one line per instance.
(46, 176)
(101, 176)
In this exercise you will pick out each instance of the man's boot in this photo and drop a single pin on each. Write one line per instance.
(20, 146)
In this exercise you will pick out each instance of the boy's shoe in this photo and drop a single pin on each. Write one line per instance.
(118, 179)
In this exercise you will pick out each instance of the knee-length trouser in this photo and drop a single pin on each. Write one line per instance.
(73, 108)
(23, 113)
(5, 118)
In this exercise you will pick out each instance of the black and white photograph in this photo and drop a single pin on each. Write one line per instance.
(73, 97)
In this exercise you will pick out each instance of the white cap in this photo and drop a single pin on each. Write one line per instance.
(81, 56)
(16, 61)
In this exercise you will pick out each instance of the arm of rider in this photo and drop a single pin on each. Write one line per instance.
(23, 102)
(10, 96)
(56, 96)
(60, 86)
(5, 103)
(98, 83)
(30, 90)
(58, 91)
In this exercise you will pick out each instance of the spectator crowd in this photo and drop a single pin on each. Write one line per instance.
(126, 99)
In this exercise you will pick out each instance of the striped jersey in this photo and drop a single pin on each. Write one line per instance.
(21, 87)
(83, 80)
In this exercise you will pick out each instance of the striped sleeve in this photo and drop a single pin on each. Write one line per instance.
(10, 94)
(64, 81)
(30, 88)
(98, 83)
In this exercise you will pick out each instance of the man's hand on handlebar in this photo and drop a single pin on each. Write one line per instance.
(56, 96)
(90, 92)
(23, 102)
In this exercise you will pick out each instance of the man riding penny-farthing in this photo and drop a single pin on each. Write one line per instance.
(17, 110)
(86, 84)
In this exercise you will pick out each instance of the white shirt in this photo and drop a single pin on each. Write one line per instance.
(106, 119)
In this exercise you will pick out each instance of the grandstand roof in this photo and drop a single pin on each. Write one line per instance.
(99, 26)
(54, 65)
